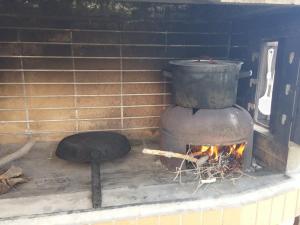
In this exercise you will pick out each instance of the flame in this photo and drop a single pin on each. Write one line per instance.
(231, 149)
(202, 149)
(214, 152)
(235, 150)
(240, 150)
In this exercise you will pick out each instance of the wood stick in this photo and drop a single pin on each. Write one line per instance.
(175, 155)
(13, 171)
(209, 181)
(17, 154)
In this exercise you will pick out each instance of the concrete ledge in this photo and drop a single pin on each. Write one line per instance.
(80, 200)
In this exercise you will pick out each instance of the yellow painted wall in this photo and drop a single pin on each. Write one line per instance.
(270, 211)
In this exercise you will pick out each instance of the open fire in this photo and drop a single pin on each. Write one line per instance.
(214, 162)
(207, 163)
(224, 158)
(234, 151)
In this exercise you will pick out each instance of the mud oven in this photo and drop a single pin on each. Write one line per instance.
(205, 121)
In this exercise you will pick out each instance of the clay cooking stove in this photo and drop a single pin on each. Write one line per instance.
(205, 121)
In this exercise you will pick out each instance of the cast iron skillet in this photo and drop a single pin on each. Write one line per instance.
(93, 147)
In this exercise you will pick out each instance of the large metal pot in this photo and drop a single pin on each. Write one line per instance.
(204, 84)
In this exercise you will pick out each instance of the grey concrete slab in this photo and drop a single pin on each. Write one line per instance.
(59, 186)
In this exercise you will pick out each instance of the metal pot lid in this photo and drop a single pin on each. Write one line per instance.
(208, 65)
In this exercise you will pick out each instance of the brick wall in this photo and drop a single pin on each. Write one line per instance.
(60, 76)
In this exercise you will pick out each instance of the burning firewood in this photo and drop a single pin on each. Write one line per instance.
(175, 155)
(10, 178)
(208, 164)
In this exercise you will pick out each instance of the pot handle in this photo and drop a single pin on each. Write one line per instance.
(245, 74)
(166, 73)
(96, 179)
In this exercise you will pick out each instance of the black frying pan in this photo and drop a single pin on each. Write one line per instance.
(93, 147)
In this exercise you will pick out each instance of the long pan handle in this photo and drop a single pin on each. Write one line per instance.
(96, 180)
